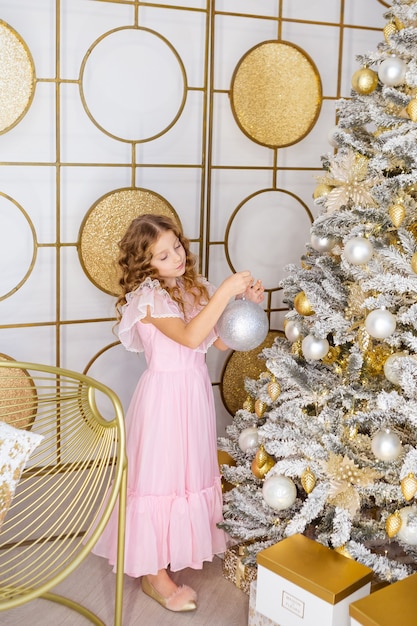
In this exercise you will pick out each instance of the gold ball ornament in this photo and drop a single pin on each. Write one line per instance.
(273, 389)
(393, 524)
(302, 304)
(409, 486)
(364, 81)
(308, 480)
(397, 214)
(414, 262)
(321, 190)
(262, 463)
(249, 404)
(411, 109)
(260, 407)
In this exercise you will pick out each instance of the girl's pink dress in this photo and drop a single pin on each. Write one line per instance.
(174, 499)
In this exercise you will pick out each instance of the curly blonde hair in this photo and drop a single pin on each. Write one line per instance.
(135, 260)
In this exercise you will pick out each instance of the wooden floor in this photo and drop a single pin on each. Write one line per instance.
(220, 602)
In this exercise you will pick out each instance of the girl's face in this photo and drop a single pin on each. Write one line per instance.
(168, 257)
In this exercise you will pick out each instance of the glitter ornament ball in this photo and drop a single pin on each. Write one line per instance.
(380, 323)
(408, 530)
(248, 438)
(279, 492)
(313, 348)
(358, 250)
(243, 325)
(364, 81)
(392, 71)
(386, 445)
(302, 304)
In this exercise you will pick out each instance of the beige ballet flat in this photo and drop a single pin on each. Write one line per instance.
(183, 599)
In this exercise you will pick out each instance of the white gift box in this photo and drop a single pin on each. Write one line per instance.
(303, 583)
(255, 618)
(389, 606)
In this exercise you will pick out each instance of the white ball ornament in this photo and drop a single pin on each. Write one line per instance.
(358, 250)
(243, 325)
(392, 71)
(386, 445)
(249, 439)
(292, 330)
(279, 492)
(380, 323)
(313, 348)
(331, 136)
(322, 244)
(391, 367)
(408, 530)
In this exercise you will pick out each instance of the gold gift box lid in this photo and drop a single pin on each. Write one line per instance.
(394, 604)
(315, 568)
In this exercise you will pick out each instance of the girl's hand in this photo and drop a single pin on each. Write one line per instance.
(254, 292)
(237, 283)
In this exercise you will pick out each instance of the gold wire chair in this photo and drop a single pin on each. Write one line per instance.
(70, 484)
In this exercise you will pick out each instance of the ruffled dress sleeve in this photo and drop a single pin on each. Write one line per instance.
(148, 294)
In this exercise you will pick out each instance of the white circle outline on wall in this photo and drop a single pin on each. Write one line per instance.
(111, 101)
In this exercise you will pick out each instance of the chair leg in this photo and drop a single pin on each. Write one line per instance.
(118, 609)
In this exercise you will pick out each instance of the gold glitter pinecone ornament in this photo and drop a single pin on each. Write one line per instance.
(411, 109)
(273, 389)
(397, 214)
(262, 463)
(364, 81)
(414, 262)
(260, 407)
(409, 486)
(308, 480)
(302, 304)
(393, 524)
(249, 404)
(389, 29)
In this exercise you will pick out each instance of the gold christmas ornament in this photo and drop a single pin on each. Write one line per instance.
(411, 109)
(262, 463)
(302, 304)
(364, 81)
(332, 355)
(397, 214)
(308, 480)
(393, 524)
(249, 404)
(389, 29)
(398, 23)
(321, 190)
(409, 486)
(414, 262)
(260, 407)
(375, 358)
(273, 389)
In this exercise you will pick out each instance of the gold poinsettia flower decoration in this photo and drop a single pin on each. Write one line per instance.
(350, 181)
(345, 477)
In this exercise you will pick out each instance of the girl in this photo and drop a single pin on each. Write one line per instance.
(174, 491)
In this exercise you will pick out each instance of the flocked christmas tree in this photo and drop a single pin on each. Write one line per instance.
(326, 444)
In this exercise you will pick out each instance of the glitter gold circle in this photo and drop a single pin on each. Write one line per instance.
(238, 367)
(105, 224)
(18, 396)
(17, 73)
(276, 94)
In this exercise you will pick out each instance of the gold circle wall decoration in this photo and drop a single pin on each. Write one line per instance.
(17, 73)
(238, 367)
(18, 396)
(105, 224)
(276, 94)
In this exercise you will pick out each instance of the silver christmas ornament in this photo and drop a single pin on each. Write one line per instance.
(243, 325)
(392, 71)
(380, 323)
(408, 530)
(292, 330)
(386, 445)
(279, 492)
(314, 348)
(322, 244)
(358, 250)
(248, 438)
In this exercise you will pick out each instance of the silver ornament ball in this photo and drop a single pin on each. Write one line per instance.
(313, 348)
(392, 367)
(248, 438)
(243, 325)
(358, 250)
(408, 530)
(279, 492)
(380, 323)
(292, 330)
(386, 445)
(392, 71)
(322, 244)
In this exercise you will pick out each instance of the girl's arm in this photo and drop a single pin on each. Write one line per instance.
(191, 334)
